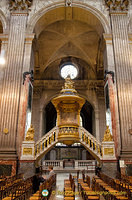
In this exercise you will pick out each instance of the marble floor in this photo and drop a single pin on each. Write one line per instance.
(57, 193)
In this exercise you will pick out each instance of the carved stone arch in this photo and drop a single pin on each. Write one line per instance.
(4, 21)
(34, 19)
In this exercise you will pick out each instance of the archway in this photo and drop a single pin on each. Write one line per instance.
(77, 39)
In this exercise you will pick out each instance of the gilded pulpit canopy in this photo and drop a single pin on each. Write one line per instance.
(68, 105)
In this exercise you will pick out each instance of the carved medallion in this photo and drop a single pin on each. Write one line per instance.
(6, 131)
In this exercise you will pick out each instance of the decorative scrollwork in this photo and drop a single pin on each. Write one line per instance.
(117, 4)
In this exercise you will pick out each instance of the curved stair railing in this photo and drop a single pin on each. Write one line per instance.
(100, 150)
(51, 138)
(46, 142)
(90, 143)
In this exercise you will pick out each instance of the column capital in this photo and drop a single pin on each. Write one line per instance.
(117, 6)
(20, 5)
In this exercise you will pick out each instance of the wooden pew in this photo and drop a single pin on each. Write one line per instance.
(48, 184)
(69, 188)
(107, 184)
(86, 191)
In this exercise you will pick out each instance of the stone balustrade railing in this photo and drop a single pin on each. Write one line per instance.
(54, 163)
(90, 142)
(81, 164)
(35, 151)
(85, 164)
(46, 142)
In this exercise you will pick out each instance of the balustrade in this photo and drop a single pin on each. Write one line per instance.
(90, 142)
(85, 138)
(54, 163)
(46, 141)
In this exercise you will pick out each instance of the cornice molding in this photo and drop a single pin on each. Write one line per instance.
(79, 84)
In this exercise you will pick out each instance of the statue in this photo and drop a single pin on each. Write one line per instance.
(30, 134)
(107, 136)
(68, 83)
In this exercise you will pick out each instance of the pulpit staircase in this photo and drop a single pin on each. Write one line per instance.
(43, 145)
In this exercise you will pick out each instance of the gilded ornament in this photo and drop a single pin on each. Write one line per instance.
(92, 143)
(30, 134)
(6, 131)
(108, 151)
(107, 136)
(98, 149)
(27, 151)
(89, 142)
(41, 146)
(95, 146)
(69, 84)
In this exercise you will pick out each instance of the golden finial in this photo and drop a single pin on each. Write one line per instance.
(30, 134)
(107, 136)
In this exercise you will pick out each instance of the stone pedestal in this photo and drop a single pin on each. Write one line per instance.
(27, 168)
(110, 168)
(27, 160)
(108, 150)
(28, 148)
(109, 161)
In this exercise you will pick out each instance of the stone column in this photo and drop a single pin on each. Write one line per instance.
(123, 69)
(24, 92)
(4, 45)
(12, 81)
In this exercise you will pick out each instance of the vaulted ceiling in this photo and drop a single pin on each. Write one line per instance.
(74, 34)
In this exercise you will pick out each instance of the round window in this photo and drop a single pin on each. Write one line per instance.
(69, 69)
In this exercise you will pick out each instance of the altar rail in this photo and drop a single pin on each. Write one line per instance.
(85, 164)
(54, 163)
(81, 164)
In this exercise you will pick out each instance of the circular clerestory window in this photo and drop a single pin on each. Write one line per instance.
(69, 69)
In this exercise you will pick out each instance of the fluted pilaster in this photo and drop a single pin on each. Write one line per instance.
(9, 108)
(119, 23)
